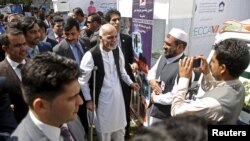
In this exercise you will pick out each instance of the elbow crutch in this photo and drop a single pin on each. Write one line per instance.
(93, 116)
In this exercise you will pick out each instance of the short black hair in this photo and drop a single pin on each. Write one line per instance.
(4, 40)
(95, 18)
(70, 23)
(45, 76)
(78, 11)
(42, 24)
(27, 23)
(109, 14)
(56, 19)
(234, 53)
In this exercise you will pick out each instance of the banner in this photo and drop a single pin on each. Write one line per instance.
(209, 16)
(142, 24)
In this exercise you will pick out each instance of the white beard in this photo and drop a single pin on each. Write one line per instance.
(112, 47)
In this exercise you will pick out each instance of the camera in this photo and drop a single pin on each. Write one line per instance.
(196, 63)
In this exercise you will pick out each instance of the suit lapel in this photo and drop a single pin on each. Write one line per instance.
(11, 73)
(68, 51)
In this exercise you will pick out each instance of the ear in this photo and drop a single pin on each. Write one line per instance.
(223, 69)
(5, 48)
(40, 105)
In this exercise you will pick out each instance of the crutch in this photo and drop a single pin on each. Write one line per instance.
(91, 120)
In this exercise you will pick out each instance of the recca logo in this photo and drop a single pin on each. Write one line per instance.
(205, 30)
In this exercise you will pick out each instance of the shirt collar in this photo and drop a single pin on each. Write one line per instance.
(14, 64)
(52, 132)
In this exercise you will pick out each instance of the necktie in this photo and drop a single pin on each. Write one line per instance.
(66, 134)
(59, 39)
(34, 52)
(20, 66)
(79, 52)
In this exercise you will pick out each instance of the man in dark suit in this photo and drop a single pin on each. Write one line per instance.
(125, 43)
(44, 37)
(7, 119)
(74, 47)
(32, 35)
(14, 45)
(57, 26)
(53, 97)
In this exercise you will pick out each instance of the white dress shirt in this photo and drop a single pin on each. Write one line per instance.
(111, 108)
(52, 132)
(14, 65)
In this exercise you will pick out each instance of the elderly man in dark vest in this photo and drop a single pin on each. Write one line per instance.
(109, 99)
(163, 75)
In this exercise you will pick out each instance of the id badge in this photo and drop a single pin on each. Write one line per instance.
(162, 85)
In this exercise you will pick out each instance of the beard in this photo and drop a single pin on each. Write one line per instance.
(112, 47)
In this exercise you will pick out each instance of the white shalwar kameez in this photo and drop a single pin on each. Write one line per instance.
(111, 114)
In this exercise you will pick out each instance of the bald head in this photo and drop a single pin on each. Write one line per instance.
(108, 37)
(106, 28)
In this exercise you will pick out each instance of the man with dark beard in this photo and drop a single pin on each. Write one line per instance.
(162, 76)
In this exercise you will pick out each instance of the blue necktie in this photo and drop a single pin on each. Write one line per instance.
(66, 134)
(79, 52)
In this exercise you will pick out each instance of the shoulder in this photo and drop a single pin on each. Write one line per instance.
(125, 36)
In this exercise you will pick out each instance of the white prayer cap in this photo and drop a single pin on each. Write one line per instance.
(179, 34)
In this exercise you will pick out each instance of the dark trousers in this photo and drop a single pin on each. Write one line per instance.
(127, 98)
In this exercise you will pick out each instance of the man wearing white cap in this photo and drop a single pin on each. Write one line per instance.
(162, 76)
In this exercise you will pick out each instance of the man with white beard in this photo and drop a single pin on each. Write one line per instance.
(109, 99)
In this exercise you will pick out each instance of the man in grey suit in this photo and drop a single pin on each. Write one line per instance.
(52, 92)
(74, 47)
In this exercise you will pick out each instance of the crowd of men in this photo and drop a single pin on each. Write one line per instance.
(55, 73)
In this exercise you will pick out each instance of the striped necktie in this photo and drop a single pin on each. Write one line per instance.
(66, 134)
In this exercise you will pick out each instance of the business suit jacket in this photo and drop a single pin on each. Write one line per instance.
(43, 47)
(52, 42)
(127, 49)
(63, 49)
(12, 87)
(51, 35)
(28, 131)
(7, 119)
(92, 36)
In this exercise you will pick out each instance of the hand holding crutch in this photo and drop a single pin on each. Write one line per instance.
(91, 106)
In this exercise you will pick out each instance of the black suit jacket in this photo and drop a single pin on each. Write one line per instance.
(7, 119)
(12, 87)
(52, 42)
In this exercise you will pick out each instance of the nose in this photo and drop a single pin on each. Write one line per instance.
(79, 100)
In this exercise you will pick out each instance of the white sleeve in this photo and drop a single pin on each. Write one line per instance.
(207, 107)
(86, 66)
(152, 71)
(124, 75)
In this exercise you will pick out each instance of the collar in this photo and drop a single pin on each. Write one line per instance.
(14, 64)
(45, 39)
(52, 132)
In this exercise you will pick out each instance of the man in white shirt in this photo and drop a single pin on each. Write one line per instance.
(109, 99)
(224, 97)
(51, 90)
(163, 75)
